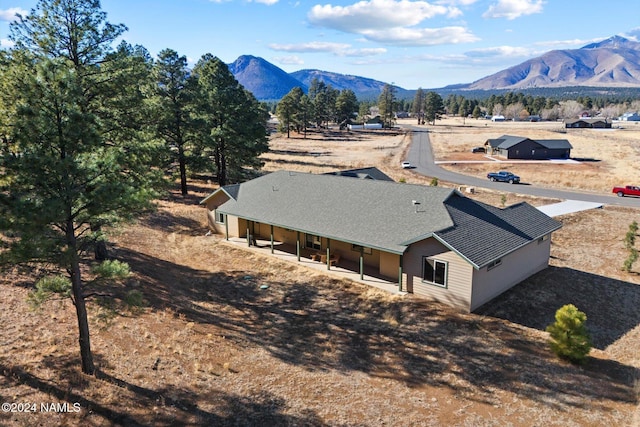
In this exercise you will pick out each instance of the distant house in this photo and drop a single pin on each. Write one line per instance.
(629, 117)
(518, 147)
(587, 122)
(497, 118)
(431, 241)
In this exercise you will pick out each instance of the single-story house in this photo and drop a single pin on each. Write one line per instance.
(498, 118)
(587, 122)
(430, 241)
(518, 147)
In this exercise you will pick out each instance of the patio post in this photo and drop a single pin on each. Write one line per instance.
(248, 236)
(328, 254)
(226, 227)
(271, 238)
(400, 275)
(361, 262)
(298, 245)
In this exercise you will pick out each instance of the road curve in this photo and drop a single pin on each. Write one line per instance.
(420, 155)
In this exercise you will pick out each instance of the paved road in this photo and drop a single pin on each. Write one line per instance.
(420, 155)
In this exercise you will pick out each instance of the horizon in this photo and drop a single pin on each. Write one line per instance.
(410, 44)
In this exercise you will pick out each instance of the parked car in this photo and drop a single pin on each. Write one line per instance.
(503, 176)
(406, 165)
(477, 150)
(629, 190)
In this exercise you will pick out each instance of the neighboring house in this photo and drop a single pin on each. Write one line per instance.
(431, 241)
(587, 122)
(518, 147)
(497, 118)
(363, 173)
(629, 117)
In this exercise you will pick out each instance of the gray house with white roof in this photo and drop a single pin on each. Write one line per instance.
(431, 241)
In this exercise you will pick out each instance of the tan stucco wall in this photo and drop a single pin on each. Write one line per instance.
(514, 268)
(459, 274)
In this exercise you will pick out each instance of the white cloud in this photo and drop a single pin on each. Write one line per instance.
(375, 15)
(338, 49)
(512, 9)
(310, 47)
(501, 52)
(289, 60)
(393, 22)
(421, 36)
(10, 14)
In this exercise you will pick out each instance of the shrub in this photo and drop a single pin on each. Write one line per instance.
(434, 182)
(47, 287)
(569, 337)
(112, 269)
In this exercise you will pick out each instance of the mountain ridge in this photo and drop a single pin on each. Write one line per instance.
(610, 63)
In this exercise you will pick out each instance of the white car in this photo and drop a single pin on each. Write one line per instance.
(406, 165)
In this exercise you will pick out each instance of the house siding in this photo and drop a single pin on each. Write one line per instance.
(389, 265)
(459, 274)
(514, 268)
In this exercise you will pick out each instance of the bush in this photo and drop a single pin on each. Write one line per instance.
(569, 337)
(112, 269)
(48, 287)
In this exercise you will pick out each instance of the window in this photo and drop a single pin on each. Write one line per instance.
(220, 217)
(494, 264)
(312, 242)
(365, 250)
(434, 271)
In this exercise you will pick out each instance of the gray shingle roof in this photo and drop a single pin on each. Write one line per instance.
(482, 233)
(386, 215)
(508, 141)
(363, 173)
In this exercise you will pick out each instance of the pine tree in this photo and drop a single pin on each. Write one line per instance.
(173, 108)
(77, 157)
(233, 128)
(569, 337)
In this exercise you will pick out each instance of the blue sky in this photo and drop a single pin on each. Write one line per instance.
(412, 44)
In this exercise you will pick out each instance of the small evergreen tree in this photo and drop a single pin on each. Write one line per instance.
(569, 337)
(629, 243)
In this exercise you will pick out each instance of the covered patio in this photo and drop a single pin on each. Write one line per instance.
(344, 268)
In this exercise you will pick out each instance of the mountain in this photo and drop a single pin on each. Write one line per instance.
(361, 86)
(614, 62)
(268, 82)
(262, 78)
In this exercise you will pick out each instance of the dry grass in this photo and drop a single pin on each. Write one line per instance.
(211, 347)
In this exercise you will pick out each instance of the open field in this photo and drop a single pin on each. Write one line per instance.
(210, 347)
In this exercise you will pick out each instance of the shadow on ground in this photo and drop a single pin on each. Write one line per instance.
(611, 305)
(333, 324)
(154, 407)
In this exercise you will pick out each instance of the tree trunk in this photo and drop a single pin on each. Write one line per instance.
(183, 170)
(100, 252)
(78, 299)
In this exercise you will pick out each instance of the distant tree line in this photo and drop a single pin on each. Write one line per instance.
(323, 104)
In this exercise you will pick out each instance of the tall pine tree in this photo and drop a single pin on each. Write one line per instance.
(77, 157)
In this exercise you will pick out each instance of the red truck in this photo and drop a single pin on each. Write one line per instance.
(629, 190)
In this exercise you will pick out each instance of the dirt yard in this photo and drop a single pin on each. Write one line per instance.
(211, 346)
